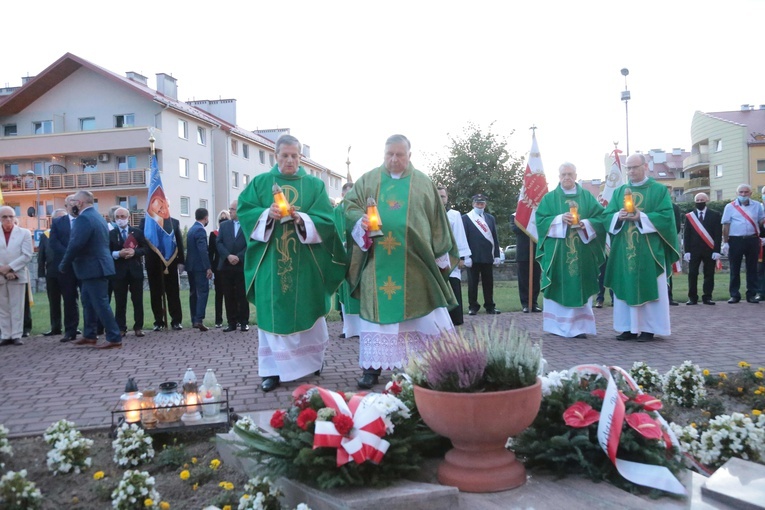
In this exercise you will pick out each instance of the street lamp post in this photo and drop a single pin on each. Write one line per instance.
(31, 174)
(626, 98)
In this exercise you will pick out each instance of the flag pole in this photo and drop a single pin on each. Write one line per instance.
(161, 274)
(533, 129)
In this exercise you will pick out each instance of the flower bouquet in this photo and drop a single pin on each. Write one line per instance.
(330, 439)
(596, 421)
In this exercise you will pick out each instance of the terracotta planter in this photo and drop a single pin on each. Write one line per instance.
(478, 425)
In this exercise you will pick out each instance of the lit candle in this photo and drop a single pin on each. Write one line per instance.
(281, 201)
(374, 218)
(574, 210)
(133, 408)
(629, 205)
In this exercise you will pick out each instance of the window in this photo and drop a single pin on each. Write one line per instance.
(760, 165)
(246, 151)
(201, 136)
(44, 127)
(183, 167)
(263, 157)
(202, 171)
(245, 180)
(235, 179)
(127, 162)
(10, 130)
(11, 169)
(234, 147)
(718, 145)
(718, 170)
(184, 206)
(38, 167)
(271, 159)
(718, 194)
(88, 124)
(128, 202)
(123, 121)
(183, 129)
(203, 203)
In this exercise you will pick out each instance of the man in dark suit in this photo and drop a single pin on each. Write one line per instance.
(47, 268)
(88, 255)
(160, 283)
(212, 251)
(231, 246)
(701, 240)
(522, 257)
(198, 268)
(481, 233)
(60, 232)
(127, 246)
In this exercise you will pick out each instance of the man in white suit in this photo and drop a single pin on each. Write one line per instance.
(15, 254)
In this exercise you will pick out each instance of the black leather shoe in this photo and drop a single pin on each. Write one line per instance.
(52, 332)
(367, 381)
(472, 312)
(269, 383)
(341, 335)
(645, 337)
(177, 327)
(599, 304)
(229, 328)
(581, 335)
(18, 341)
(7, 341)
(674, 303)
(159, 327)
(691, 302)
(218, 325)
(68, 338)
(733, 300)
(244, 327)
(25, 334)
(526, 309)
(752, 300)
(318, 372)
(493, 312)
(627, 335)
(708, 302)
(535, 308)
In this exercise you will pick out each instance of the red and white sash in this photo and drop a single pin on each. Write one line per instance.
(700, 230)
(481, 225)
(746, 216)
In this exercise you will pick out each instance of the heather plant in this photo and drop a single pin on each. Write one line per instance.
(485, 358)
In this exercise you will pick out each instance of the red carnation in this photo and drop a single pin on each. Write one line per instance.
(306, 418)
(277, 419)
(645, 425)
(343, 424)
(648, 402)
(580, 415)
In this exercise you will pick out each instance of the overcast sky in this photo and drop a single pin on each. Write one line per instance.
(351, 73)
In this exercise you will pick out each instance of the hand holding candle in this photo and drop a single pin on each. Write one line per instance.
(574, 212)
(373, 216)
(281, 202)
(629, 204)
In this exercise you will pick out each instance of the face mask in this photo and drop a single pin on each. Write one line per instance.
(701, 205)
(743, 200)
(75, 210)
(122, 223)
(478, 211)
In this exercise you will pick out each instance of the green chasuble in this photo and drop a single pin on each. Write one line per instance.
(290, 283)
(398, 279)
(570, 268)
(636, 259)
(351, 304)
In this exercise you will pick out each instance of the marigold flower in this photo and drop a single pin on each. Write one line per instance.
(740, 389)
(705, 372)
(277, 419)
(743, 364)
(227, 486)
(580, 415)
(193, 460)
(214, 464)
(758, 374)
(164, 505)
(185, 474)
(148, 502)
(343, 423)
(756, 412)
(306, 418)
(98, 475)
(644, 425)
(648, 402)
(195, 486)
(723, 375)
(226, 507)
(693, 425)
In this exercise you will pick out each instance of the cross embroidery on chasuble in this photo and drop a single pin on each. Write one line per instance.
(390, 288)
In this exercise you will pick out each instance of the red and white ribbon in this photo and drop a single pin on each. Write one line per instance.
(610, 430)
(365, 440)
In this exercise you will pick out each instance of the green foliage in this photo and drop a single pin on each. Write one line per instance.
(479, 162)
(173, 456)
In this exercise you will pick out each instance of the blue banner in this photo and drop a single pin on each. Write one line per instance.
(157, 211)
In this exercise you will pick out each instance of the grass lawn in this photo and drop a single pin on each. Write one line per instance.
(505, 296)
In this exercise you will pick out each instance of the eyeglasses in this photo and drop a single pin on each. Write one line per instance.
(633, 167)
(7, 217)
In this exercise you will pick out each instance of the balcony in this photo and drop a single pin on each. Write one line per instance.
(95, 181)
(700, 184)
(695, 162)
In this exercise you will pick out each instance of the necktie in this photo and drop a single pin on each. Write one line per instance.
(236, 228)
(701, 216)
(124, 235)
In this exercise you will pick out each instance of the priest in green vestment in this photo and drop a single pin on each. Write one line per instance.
(400, 277)
(643, 248)
(347, 304)
(291, 268)
(571, 250)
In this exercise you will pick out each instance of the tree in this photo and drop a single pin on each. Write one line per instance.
(479, 162)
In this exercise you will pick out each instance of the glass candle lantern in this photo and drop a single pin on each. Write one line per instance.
(573, 208)
(210, 394)
(131, 402)
(374, 218)
(168, 403)
(191, 397)
(281, 201)
(629, 204)
(148, 417)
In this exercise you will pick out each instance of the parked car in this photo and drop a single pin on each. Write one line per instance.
(510, 253)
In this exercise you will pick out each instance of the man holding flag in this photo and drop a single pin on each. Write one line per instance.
(525, 226)
(164, 259)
